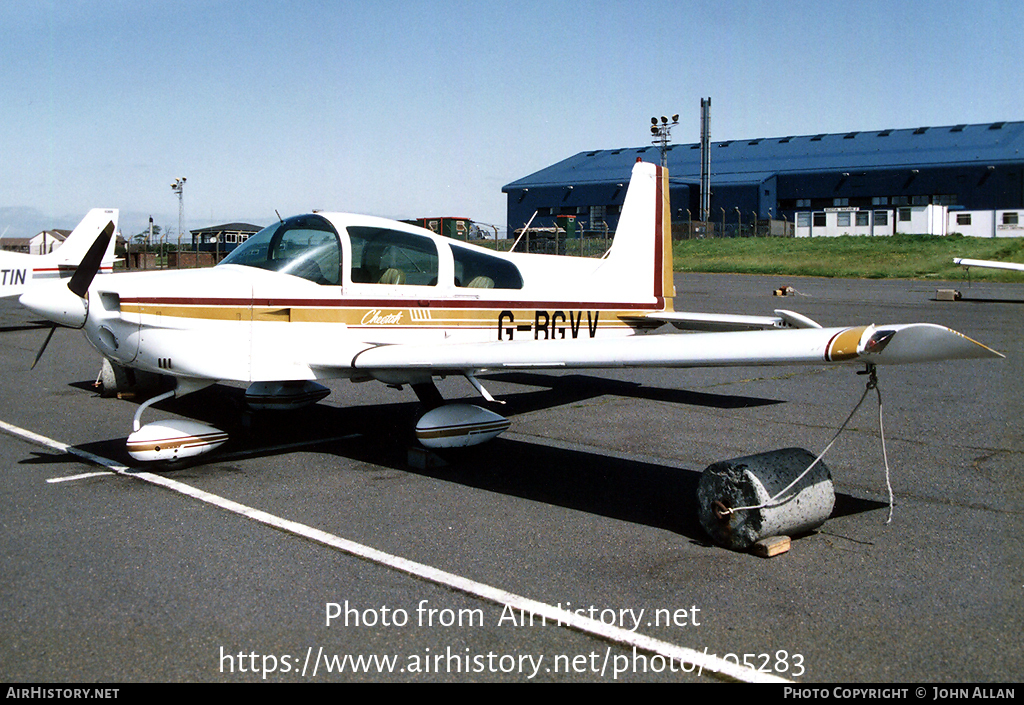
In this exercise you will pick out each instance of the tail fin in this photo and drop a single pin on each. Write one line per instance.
(77, 244)
(639, 264)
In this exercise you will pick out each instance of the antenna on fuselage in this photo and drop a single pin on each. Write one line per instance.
(279, 216)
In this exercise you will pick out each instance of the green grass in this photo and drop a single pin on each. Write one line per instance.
(890, 257)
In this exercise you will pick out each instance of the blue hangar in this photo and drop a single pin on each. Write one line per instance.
(971, 167)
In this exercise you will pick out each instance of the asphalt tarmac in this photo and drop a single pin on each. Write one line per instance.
(258, 563)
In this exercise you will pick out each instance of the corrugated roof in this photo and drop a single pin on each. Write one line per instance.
(750, 160)
(228, 228)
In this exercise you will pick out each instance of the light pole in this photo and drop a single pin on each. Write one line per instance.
(661, 131)
(178, 187)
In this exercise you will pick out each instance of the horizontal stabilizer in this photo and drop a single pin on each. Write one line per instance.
(728, 322)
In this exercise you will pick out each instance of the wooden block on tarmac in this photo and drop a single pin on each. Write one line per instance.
(770, 546)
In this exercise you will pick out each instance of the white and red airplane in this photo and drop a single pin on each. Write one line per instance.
(335, 295)
(18, 270)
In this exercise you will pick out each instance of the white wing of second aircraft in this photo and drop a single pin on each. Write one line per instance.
(988, 264)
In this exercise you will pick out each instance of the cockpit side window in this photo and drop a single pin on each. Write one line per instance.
(475, 270)
(305, 246)
(384, 256)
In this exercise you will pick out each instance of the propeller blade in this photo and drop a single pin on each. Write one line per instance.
(45, 343)
(90, 264)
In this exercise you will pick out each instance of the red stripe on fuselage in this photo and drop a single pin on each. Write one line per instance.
(394, 303)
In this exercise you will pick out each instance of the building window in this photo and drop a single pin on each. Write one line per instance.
(963, 218)
(944, 200)
(803, 219)
(840, 201)
(1009, 218)
(819, 220)
(803, 203)
(862, 218)
(843, 219)
(904, 215)
(880, 201)
(919, 201)
(881, 217)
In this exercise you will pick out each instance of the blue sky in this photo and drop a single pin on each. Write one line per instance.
(425, 108)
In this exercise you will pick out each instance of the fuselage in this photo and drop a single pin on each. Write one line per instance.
(309, 291)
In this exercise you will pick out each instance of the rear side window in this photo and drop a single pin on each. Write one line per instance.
(476, 270)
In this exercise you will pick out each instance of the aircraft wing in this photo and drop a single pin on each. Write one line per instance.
(988, 264)
(917, 342)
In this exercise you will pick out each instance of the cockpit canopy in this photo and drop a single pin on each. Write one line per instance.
(309, 246)
(304, 246)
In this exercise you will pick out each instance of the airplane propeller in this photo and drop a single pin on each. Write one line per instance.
(70, 308)
(53, 328)
(91, 263)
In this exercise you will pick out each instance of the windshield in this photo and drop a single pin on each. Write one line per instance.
(305, 246)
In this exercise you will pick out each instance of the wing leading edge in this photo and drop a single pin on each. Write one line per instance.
(895, 344)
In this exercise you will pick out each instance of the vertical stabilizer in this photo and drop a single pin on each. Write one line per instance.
(77, 244)
(638, 266)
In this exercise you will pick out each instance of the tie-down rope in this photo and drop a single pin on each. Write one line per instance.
(872, 383)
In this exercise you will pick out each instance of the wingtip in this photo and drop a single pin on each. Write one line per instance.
(928, 342)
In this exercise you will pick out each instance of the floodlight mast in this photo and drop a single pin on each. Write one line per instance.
(661, 131)
(178, 187)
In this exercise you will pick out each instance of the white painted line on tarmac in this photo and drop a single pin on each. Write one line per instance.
(114, 468)
(701, 661)
(82, 476)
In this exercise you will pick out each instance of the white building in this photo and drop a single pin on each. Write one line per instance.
(1002, 223)
(43, 243)
(911, 220)
(841, 220)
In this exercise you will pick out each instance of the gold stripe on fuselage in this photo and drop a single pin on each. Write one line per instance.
(584, 320)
